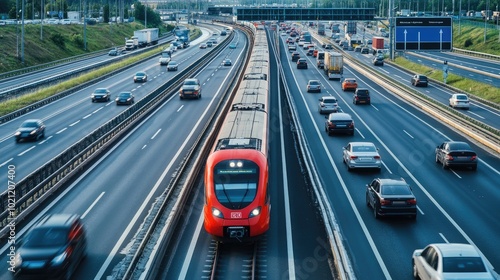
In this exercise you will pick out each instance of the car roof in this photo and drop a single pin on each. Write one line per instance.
(456, 250)
(57, 220)
(349, 79)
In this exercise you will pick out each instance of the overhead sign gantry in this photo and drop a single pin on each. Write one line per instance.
(424, 34)
(304, 14)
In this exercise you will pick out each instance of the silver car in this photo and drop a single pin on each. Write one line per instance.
(459, 100)
(361, 155)
(327, 105)
(450, 261)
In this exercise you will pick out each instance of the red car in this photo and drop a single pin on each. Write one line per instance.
(349, 84)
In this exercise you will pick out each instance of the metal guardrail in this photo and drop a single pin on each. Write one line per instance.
(477, 54)
(37, 186)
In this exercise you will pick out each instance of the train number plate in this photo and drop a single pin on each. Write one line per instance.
(236, 215)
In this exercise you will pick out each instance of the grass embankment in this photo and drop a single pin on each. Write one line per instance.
(472, 87)
(17, 103)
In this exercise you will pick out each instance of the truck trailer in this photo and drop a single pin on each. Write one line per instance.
(378, 45)
(334, 65)
(321, 29)
(182, 36)
(147, 37)
(132, 43)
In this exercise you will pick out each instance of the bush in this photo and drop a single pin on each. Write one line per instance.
(58, 39)
(468, 43)
(77, 40)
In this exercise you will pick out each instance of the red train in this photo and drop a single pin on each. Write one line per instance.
(237, 204)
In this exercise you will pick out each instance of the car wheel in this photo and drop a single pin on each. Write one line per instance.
(415, 271)
(367, 199)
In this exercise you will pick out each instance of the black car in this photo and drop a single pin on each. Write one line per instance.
(378, 61)
(100, 94)
(52, 249)
(365, 50)
(419, 80)
(339, 122)
(125, 98)
(301, 63)
(115, 52)
(390, 197)
(140, 77)
(295, 56)
(30, 130)
(456, 154)
(361, 96)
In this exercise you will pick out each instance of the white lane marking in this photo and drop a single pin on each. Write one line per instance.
(87, 116)
(477, 115)
(386, 167)
(5, 162)
(61, 131)
(75, 123)
(45, 140)
(97, 110)
(456, 174)
(375, 107)
(156, 133)
(420, 210)
(92, 205)
(444, 238)
(192, 245)
(144, 147)
(407, 133)
(180, 108)
(361, 134)
(20, 154)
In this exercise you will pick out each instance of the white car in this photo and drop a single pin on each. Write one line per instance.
(450, 261)
(459, 100)
(361, 155)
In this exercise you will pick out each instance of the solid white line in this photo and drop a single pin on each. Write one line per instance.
(477, 115)
(158, 131)
(192, 245)
(62, 130)
(5, 162)
(92, 205)
(284, 173)
(26, 151)
(74, 123)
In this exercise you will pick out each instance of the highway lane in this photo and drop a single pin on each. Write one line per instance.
(116, 192)
(294, 249)
(75, 116)
(452, 204)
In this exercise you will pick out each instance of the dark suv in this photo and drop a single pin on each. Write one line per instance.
(295, 56)
(419, 80)
(361, 96)
(339, 122)
(52, 249)
(391, 197)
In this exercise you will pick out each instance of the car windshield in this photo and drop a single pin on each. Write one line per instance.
(462, 97)
(29, 124)
(395, 190)
(140, 74)
(329, 100)
(364, 149)
(463, 264)
(100, 90)
(350, 80)
(459, 146)
(125, 94)
(190, 82)
(172, 63)
(46, 237)
(362, 92)
(313, 83)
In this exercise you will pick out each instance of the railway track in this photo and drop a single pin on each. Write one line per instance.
(237, 261)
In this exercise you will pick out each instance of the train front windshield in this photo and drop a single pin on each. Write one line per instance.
(236, 183)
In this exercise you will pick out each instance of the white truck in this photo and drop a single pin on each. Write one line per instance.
(334, 65)
(147, 37)
(132, 43)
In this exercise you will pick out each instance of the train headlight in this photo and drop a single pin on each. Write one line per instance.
(217, 213)
(255, 212)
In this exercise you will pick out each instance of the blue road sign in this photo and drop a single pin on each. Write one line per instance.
(423, 33)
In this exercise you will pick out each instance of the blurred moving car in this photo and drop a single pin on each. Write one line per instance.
(232, 46)
(172, 65)
(100, 94)
(52, 249)
(391, 197)
(349, 84)
(209, 44)
(361, 155)
(295, 56)
(378, 60)
(227, 62)
(313, 85)
(203, 46)
(191, 88)
(365, 50)
(339, 122)
(140, 77)
(361, 96)
(328, 105)
(32, 129)
(450, 261)
(115, 52)
(456, 153)
(125, 98)
(419, 80)
(301, 63)
(459, 100)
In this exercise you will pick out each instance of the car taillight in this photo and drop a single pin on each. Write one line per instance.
(353, 157)
(376, 157)
(412, 201)
(385, 202)
(331, 124)
(474, 157)
(356, 97)
(351, 124)
(449, 157)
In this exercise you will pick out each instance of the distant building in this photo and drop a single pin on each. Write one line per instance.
(74, 16)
